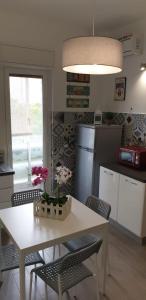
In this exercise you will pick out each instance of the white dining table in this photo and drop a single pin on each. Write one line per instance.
(31, 233)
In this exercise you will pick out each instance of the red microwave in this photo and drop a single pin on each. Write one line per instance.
(134, 156)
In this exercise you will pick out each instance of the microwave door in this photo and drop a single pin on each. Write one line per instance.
(127, 157)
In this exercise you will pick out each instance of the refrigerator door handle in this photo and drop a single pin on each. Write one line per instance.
(86, 149)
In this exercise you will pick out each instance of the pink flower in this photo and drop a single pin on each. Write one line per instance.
(37, 181)
(36, 170)
(44, 173)
(41, 175)
(39, 170)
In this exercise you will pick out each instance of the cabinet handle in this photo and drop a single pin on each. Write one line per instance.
(134, 183)
(108, 173)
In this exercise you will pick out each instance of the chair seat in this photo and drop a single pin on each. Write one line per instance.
(9, 258)
(69, 278)
(77, 244)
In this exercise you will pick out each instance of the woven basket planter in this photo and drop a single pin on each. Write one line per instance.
(53, 211)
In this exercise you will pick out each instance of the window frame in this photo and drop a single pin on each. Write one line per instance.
(46, 76)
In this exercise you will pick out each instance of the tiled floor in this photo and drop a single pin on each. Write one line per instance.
(127, 280)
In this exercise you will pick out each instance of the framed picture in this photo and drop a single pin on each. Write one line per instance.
(73, 77)
(77, 103)
(78, 90)
(120, 89)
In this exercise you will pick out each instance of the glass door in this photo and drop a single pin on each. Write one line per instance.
(26, 109)
(28, 94)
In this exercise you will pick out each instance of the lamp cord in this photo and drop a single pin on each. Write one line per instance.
(93, 26)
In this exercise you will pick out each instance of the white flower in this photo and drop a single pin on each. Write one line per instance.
(63, 174)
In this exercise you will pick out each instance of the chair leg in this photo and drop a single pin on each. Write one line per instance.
(54, 253)
(97, 288)
(75, 296)
(68, 295)
(43, 254)
(0, 236)
(60, 297)
(108, 263)
(35, 273)
(46, 291)
(97, 280)
(54, 250)
(59, 250)
(1, 278)
(30, 288)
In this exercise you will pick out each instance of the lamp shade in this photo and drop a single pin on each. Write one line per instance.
(92, 55)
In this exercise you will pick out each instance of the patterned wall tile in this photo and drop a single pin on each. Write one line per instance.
(58, 129)
(134, 127)
(64, 136)
(119, 119)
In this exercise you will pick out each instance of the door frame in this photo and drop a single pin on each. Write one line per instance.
(46, 76)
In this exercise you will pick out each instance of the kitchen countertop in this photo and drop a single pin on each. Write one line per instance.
(6, 170)
(139, 175)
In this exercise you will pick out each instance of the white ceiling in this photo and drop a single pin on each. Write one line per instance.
(108, 13)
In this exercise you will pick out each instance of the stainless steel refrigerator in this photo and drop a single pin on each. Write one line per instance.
(95, 144)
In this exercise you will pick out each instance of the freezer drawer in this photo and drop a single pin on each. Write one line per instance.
(85, 137)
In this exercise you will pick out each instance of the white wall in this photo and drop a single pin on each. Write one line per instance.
(37, 33)
(29, 32)
(136, 80)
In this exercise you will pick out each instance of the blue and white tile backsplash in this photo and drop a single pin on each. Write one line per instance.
(64, 134)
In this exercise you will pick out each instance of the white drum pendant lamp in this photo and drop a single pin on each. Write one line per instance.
(92, 55)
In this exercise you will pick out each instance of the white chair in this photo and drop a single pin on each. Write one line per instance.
(67, 271)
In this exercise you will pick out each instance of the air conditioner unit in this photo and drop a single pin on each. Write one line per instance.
(131, 45)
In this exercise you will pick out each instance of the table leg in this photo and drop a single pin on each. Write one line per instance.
(1, 278)
(22, 275)
(0, 235)
(104, 256)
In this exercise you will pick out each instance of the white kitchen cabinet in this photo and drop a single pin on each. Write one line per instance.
(109, 188)
(127, 198)
(6, 190)
(131, 205)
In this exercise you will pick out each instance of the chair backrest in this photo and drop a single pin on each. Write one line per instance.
(99, 206)
(25, 197)
(78, 256)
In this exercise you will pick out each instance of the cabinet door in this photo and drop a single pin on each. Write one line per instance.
(6, 181)
(108, 189)
(5, 197)
(131, 202)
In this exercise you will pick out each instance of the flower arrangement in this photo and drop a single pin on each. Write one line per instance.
(41, 177)
(62, 175)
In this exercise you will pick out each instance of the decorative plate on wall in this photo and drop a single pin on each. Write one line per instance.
(120, 89)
